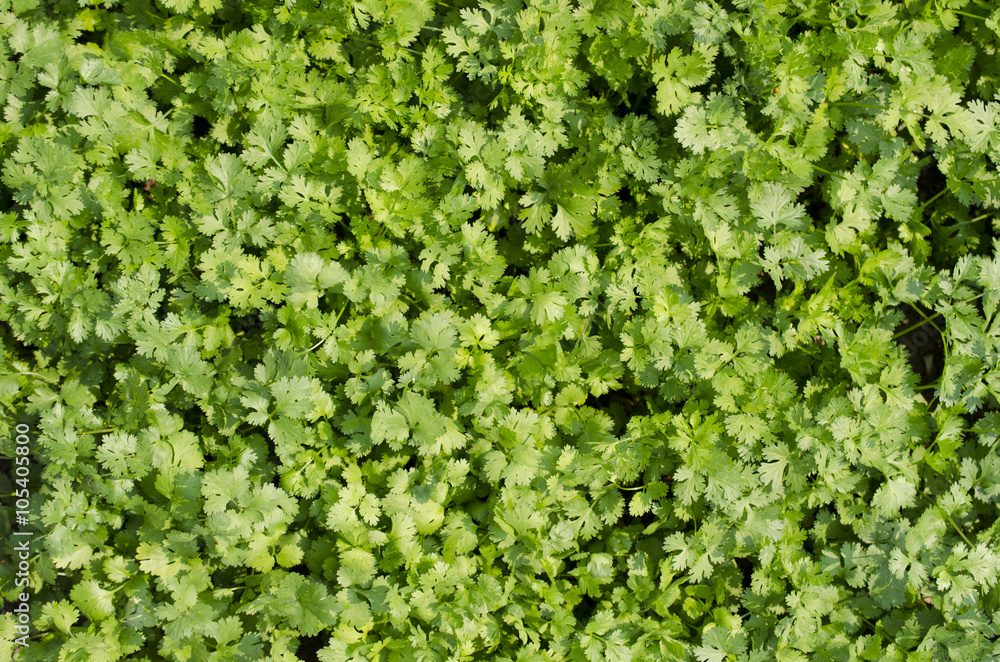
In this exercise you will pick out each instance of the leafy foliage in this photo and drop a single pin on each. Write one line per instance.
(520, 331)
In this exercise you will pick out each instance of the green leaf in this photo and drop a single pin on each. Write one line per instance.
(95, 602)
(357, 567)
(893, 495)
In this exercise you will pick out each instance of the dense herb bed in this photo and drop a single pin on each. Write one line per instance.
(603, 330)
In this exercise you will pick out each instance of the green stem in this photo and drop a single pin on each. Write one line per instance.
(944, 345)
(827, 172)
(42, 377)
(928, 320)
(320, 342)
(101, 431)
(373, 42)
(967, 15)
(586, 327)
(939, 194)
(327, 336)
(960, 532)
(173, 455)
(923, 602)
(628, 489)
(870, 624)
(853, 104)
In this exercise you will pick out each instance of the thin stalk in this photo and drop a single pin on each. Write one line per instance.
(320, 342)
(327, 336)
(586, 327)
(827, 172)
(35, 374)
(960, 532)
(854, 104)
(939, 194)
(928, 320)
(373, 42)
(870, 624)
(340, 312)
(944, 345)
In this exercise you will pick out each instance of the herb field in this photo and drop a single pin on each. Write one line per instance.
(545, 331)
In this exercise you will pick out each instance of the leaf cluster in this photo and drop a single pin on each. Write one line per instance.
(544, 330)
